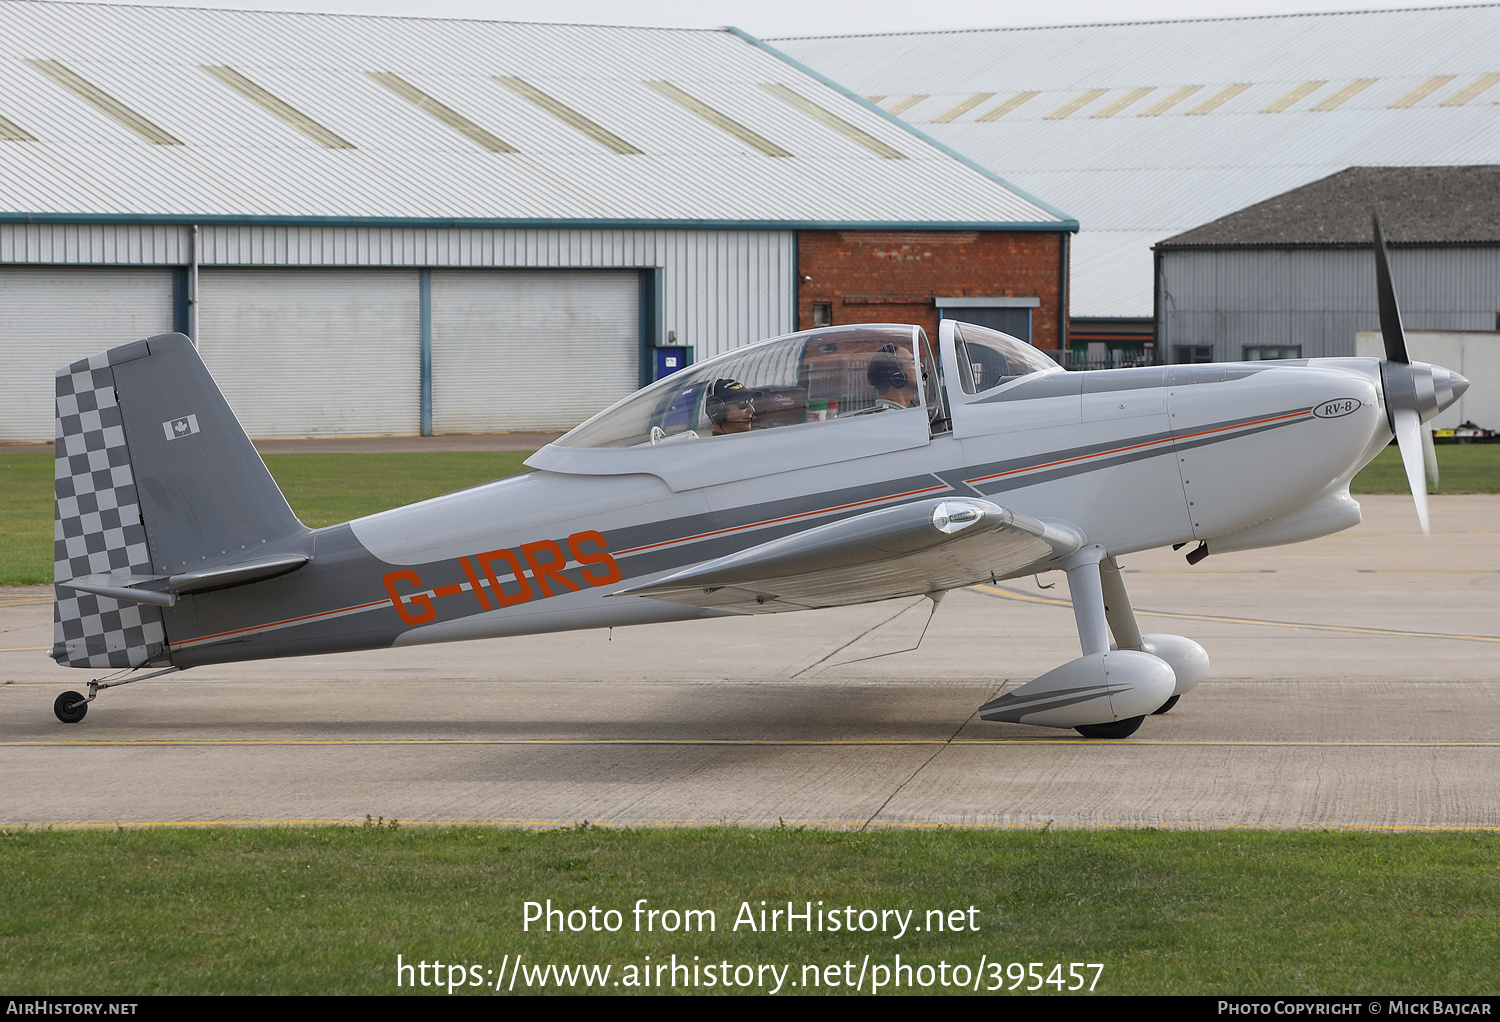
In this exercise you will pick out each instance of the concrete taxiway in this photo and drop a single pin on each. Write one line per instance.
(1355, 683)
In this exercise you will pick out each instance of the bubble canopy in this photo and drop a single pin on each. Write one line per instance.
(987, 358)
(798, 379)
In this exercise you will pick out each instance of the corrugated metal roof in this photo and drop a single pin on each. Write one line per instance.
(1419, 206)
(409, 119)
(1398, 88)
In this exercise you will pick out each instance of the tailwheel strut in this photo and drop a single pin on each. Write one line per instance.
(71, 707)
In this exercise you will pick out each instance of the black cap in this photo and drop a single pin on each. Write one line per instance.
(730, 390)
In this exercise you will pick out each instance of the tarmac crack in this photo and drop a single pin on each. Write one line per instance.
(923, 765)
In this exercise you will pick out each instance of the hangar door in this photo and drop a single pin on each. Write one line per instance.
(53, 315)
(531, 349)
(1013, 321)
(307, 352)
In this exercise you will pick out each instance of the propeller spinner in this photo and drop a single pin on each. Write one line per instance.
(1414, 391)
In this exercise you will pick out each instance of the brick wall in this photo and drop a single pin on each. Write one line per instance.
(893, 276)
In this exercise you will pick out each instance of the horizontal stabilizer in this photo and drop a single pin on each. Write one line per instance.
(922, 547)
(242, 573)
(163, 590)
(126, 588)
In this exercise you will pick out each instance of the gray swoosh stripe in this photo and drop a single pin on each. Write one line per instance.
(989, 489)
(1088, 450)
(1073, 694)
(1039, 704)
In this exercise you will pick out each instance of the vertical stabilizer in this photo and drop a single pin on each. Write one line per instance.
(205, 492)
(155, 480)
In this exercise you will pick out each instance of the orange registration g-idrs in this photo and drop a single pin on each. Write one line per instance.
(532, 571)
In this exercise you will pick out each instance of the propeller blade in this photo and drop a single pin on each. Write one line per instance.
(1408, 439)
(1429, 455)
(1390, 313)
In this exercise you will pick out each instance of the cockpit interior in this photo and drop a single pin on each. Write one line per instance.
(814, 376)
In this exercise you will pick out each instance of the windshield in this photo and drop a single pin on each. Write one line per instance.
(988, 358)
(815, 376)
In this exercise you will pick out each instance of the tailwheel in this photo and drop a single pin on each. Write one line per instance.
(70, 707)
(1164, 707)
(1114, 729)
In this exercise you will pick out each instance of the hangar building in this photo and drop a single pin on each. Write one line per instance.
(1294, 276)
(392, 225)
(1146, 130)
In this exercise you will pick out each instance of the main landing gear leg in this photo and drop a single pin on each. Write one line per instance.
(1121, 616)
(1188, 660)
(1085, 584)
(1117, 607)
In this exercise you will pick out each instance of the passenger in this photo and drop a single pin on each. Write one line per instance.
(893, 374)
(729, 407)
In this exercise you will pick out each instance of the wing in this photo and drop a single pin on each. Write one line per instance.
(922, 547)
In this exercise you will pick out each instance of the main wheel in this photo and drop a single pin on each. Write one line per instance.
(1114, 729)
(1164, 707)
(70, 707)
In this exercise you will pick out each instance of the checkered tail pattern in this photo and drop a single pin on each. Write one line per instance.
(98, 528)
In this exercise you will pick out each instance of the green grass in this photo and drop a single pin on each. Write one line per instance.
(327, 910)
(323, 489)
(25, 518)
(1462, 468)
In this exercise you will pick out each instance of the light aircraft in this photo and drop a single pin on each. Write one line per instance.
(834, 466)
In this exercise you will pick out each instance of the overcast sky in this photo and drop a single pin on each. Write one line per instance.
(773, 18)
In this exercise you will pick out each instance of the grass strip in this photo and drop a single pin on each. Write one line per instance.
(25, 518)
(325, 489)
(327, 910)
(1462, 468)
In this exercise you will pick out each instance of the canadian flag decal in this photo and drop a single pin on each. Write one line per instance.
(177, 428)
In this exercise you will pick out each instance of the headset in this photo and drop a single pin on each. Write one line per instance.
(715, 407)
(885, 371)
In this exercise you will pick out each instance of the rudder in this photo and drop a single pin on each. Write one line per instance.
(97, 528)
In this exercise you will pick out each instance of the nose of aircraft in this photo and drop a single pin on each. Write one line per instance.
(1450, 386)
(1419, 388)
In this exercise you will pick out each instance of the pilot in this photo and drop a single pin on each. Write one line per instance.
(893, 374)
(729, 407)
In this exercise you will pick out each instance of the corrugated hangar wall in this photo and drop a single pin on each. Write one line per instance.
(1316, 299)
(51, 315)
(319, 330)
